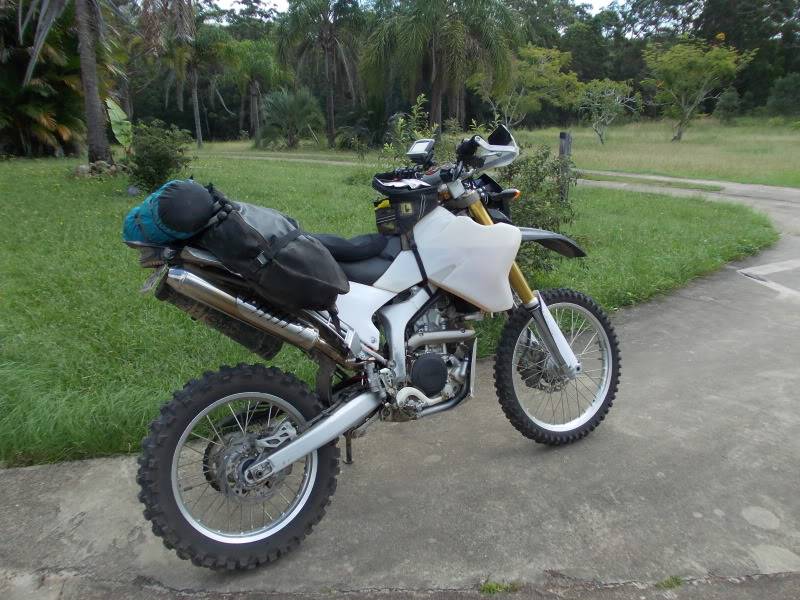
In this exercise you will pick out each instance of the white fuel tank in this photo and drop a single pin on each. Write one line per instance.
(467, 259)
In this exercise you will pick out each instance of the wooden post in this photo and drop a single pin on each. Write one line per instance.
(565, 154)
(565, 143)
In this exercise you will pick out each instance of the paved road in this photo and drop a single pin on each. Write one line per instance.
(694, 474)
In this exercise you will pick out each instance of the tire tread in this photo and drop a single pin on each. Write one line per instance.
(503, 372)
(184, 404)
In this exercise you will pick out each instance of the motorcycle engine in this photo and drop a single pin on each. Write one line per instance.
(438, 370)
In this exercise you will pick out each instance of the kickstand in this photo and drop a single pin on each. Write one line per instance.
(348, 448)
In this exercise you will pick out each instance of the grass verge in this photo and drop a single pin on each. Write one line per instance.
(684, 185)
(85, 361)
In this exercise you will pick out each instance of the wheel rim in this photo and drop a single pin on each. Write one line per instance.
(210, 456)
(549, 401)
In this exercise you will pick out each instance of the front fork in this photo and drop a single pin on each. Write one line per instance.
(552, 337)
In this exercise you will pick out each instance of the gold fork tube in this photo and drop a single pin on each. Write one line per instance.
(515, 276)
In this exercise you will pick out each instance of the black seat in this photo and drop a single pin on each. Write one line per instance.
(357, 248)
(376, 253)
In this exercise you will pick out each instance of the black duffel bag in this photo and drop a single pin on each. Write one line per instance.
(283, 264)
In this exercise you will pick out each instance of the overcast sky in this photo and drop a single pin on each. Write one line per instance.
(281, 4)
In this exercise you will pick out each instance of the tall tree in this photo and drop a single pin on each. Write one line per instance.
(170, 28)
(323, 32)
(86, 17)
(253, 68)
(543, 21)
(771, 26)
(46, 115)
(43, 14)
(442, 41)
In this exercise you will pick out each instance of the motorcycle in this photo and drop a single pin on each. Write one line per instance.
(241, 463)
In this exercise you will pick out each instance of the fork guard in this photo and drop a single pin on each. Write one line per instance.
(552, 241)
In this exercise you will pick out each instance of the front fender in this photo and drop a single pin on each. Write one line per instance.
(552, 241)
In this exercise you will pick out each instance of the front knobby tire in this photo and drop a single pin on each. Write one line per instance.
(536, 403)
(167, 437)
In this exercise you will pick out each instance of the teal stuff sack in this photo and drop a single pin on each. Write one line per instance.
(176, 211)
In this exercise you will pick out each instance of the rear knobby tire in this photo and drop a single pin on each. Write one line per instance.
(504, 371)
(158, 448)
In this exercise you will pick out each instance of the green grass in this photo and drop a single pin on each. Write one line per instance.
(750, 151)
(671, 582)
(701, 187)
(85, 360)
(490, 588)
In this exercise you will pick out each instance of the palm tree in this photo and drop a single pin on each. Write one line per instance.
(89, 23)
(324, 31)
(252, 66)
(443, 39)
(44, 115)
(87, 19)
(287, 115)
(169, 28)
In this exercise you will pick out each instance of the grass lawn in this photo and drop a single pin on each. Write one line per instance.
(750, 151)
(85, 360)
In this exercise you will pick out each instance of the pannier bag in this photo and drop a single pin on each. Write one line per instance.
(406, 202)
(176, 211)
(283, 264)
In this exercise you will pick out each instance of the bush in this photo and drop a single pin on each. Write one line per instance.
(728, 106)
(289, 115)
(784, 98)
(404, 129)
(159, 153)
(542, 178)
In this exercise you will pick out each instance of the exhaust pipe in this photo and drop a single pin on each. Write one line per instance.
(198, 289)
(431, 338)
(348, 416)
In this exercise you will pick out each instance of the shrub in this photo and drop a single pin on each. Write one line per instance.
(728, 106)
(159, 153)
(543, 179)
(784, 98)
(405, 128)
(287, 116)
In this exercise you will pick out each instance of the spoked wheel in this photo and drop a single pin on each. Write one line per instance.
(538, 401)
(192, 469)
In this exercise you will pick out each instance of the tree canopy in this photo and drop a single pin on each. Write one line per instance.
(525, 62)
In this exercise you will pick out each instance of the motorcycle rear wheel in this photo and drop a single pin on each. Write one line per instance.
(540, 404)
(190, 469)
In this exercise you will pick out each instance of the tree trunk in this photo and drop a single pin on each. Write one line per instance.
(436, 103)
(679, 127)
(255, 122)
(462, 107)
(437, 91)
(96, 139)
(242, 110)
(330, 125)
(198, 129)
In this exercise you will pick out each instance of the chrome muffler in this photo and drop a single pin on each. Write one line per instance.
(198, 289)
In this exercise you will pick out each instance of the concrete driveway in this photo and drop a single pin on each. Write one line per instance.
(694, 474)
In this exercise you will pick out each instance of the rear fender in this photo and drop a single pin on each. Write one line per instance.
(552, 241)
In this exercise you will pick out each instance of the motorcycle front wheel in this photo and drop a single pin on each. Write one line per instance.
(191, 470)
(538, 401)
